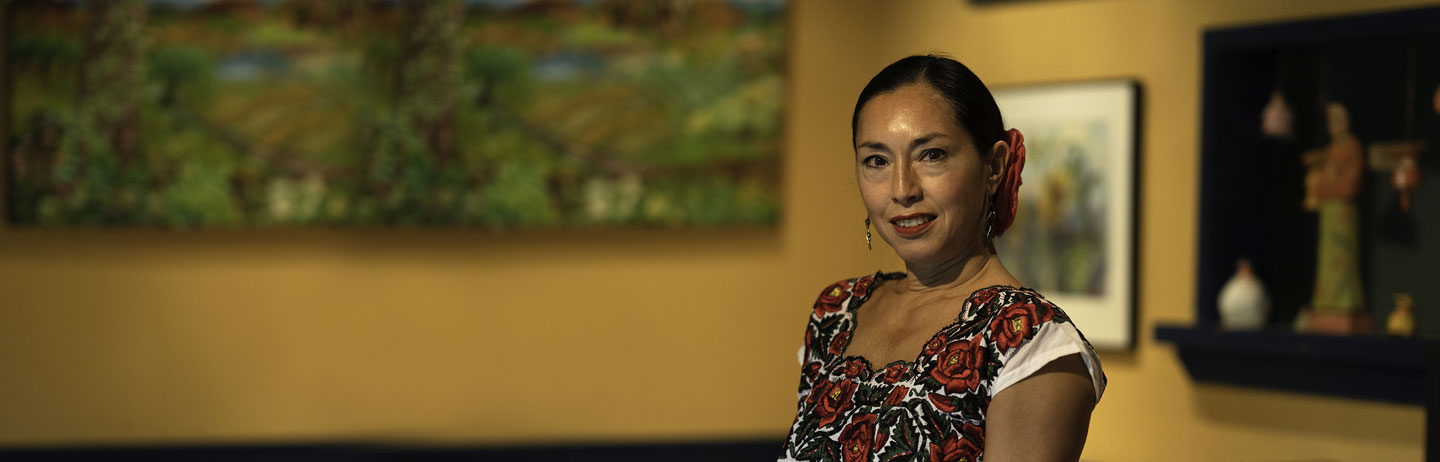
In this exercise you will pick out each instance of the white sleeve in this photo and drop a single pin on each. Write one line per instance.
(1053, 341)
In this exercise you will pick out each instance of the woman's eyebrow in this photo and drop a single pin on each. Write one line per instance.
(874, 145)
(925, 139)
(913, 144)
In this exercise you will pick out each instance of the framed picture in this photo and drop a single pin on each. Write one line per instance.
(1074, 233)
(480, 113)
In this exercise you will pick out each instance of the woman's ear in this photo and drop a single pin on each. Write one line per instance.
(998, 161)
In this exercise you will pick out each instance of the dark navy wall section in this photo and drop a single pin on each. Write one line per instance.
(1251, 189)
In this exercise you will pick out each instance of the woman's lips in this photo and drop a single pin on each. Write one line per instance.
(914, 229)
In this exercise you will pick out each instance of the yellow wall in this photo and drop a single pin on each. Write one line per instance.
(475, 337)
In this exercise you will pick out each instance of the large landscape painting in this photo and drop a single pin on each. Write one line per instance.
(479, 113)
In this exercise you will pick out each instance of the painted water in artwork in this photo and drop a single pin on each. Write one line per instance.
(478, 113)
(1063, 214)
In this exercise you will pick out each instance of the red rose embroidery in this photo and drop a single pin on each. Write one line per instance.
(973, 432)
(1014, 325)
(817, 391)
(856, 368)
(896, 395)
(943, 403)
(985, 296)
(831, 298)
(833, 399)
(862, 287)
(857, 441)
(812, 370)
(935, 344)
(958, 367)
(894, 372)
(837, 346)
(953, 448)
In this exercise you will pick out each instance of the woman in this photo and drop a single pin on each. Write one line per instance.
(952, 361)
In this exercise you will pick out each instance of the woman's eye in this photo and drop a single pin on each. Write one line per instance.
(874, 161)
(932, 154)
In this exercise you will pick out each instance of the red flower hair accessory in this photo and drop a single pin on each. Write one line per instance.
(1007, 196)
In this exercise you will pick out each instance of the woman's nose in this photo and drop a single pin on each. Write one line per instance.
(905, 189)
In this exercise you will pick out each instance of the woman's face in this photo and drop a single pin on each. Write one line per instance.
(923, 183)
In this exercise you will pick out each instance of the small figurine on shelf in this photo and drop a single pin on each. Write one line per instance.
(1402, 319)
(1275, 119)
(1405, 178)
(1243, 304)
(1333, 181)
(1401, 159)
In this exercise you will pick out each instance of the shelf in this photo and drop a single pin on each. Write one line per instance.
(1388, 369)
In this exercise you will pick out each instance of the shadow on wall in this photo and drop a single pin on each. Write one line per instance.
(1294, 413)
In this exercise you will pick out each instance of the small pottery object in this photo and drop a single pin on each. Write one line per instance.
(1243, 302)
(1276, 119)
(1402, 319)
(1405, 178)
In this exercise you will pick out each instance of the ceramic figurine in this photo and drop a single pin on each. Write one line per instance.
(1405, 178)
(1402, 319)
(1401, 160)
(1331, 184)
(1243, 303)
(1276, 120)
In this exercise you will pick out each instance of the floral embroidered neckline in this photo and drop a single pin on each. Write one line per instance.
(931, 408)
(901, 369)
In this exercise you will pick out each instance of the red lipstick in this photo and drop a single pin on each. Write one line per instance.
(914, 230)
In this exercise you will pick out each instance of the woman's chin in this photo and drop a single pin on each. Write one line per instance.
(924, 252)
(919, 253)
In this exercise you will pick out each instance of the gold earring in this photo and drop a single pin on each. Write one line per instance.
(867, 235)
(990, 221)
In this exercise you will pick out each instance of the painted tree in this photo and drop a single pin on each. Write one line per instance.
(413, 145)
(111, 73)
(91, 178)
(428, 81)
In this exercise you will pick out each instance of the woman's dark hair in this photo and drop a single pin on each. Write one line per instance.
(971, 103)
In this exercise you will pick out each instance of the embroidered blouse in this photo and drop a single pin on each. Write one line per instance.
(932, 408)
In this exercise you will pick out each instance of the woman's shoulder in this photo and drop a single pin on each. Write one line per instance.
(1028, 331)
(1013, 315)
(1000, 297)
(838, 296)
(995, 298)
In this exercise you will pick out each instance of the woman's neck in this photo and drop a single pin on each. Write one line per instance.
(965, 270)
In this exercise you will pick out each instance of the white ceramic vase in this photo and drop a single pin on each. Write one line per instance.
(1243, 302)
